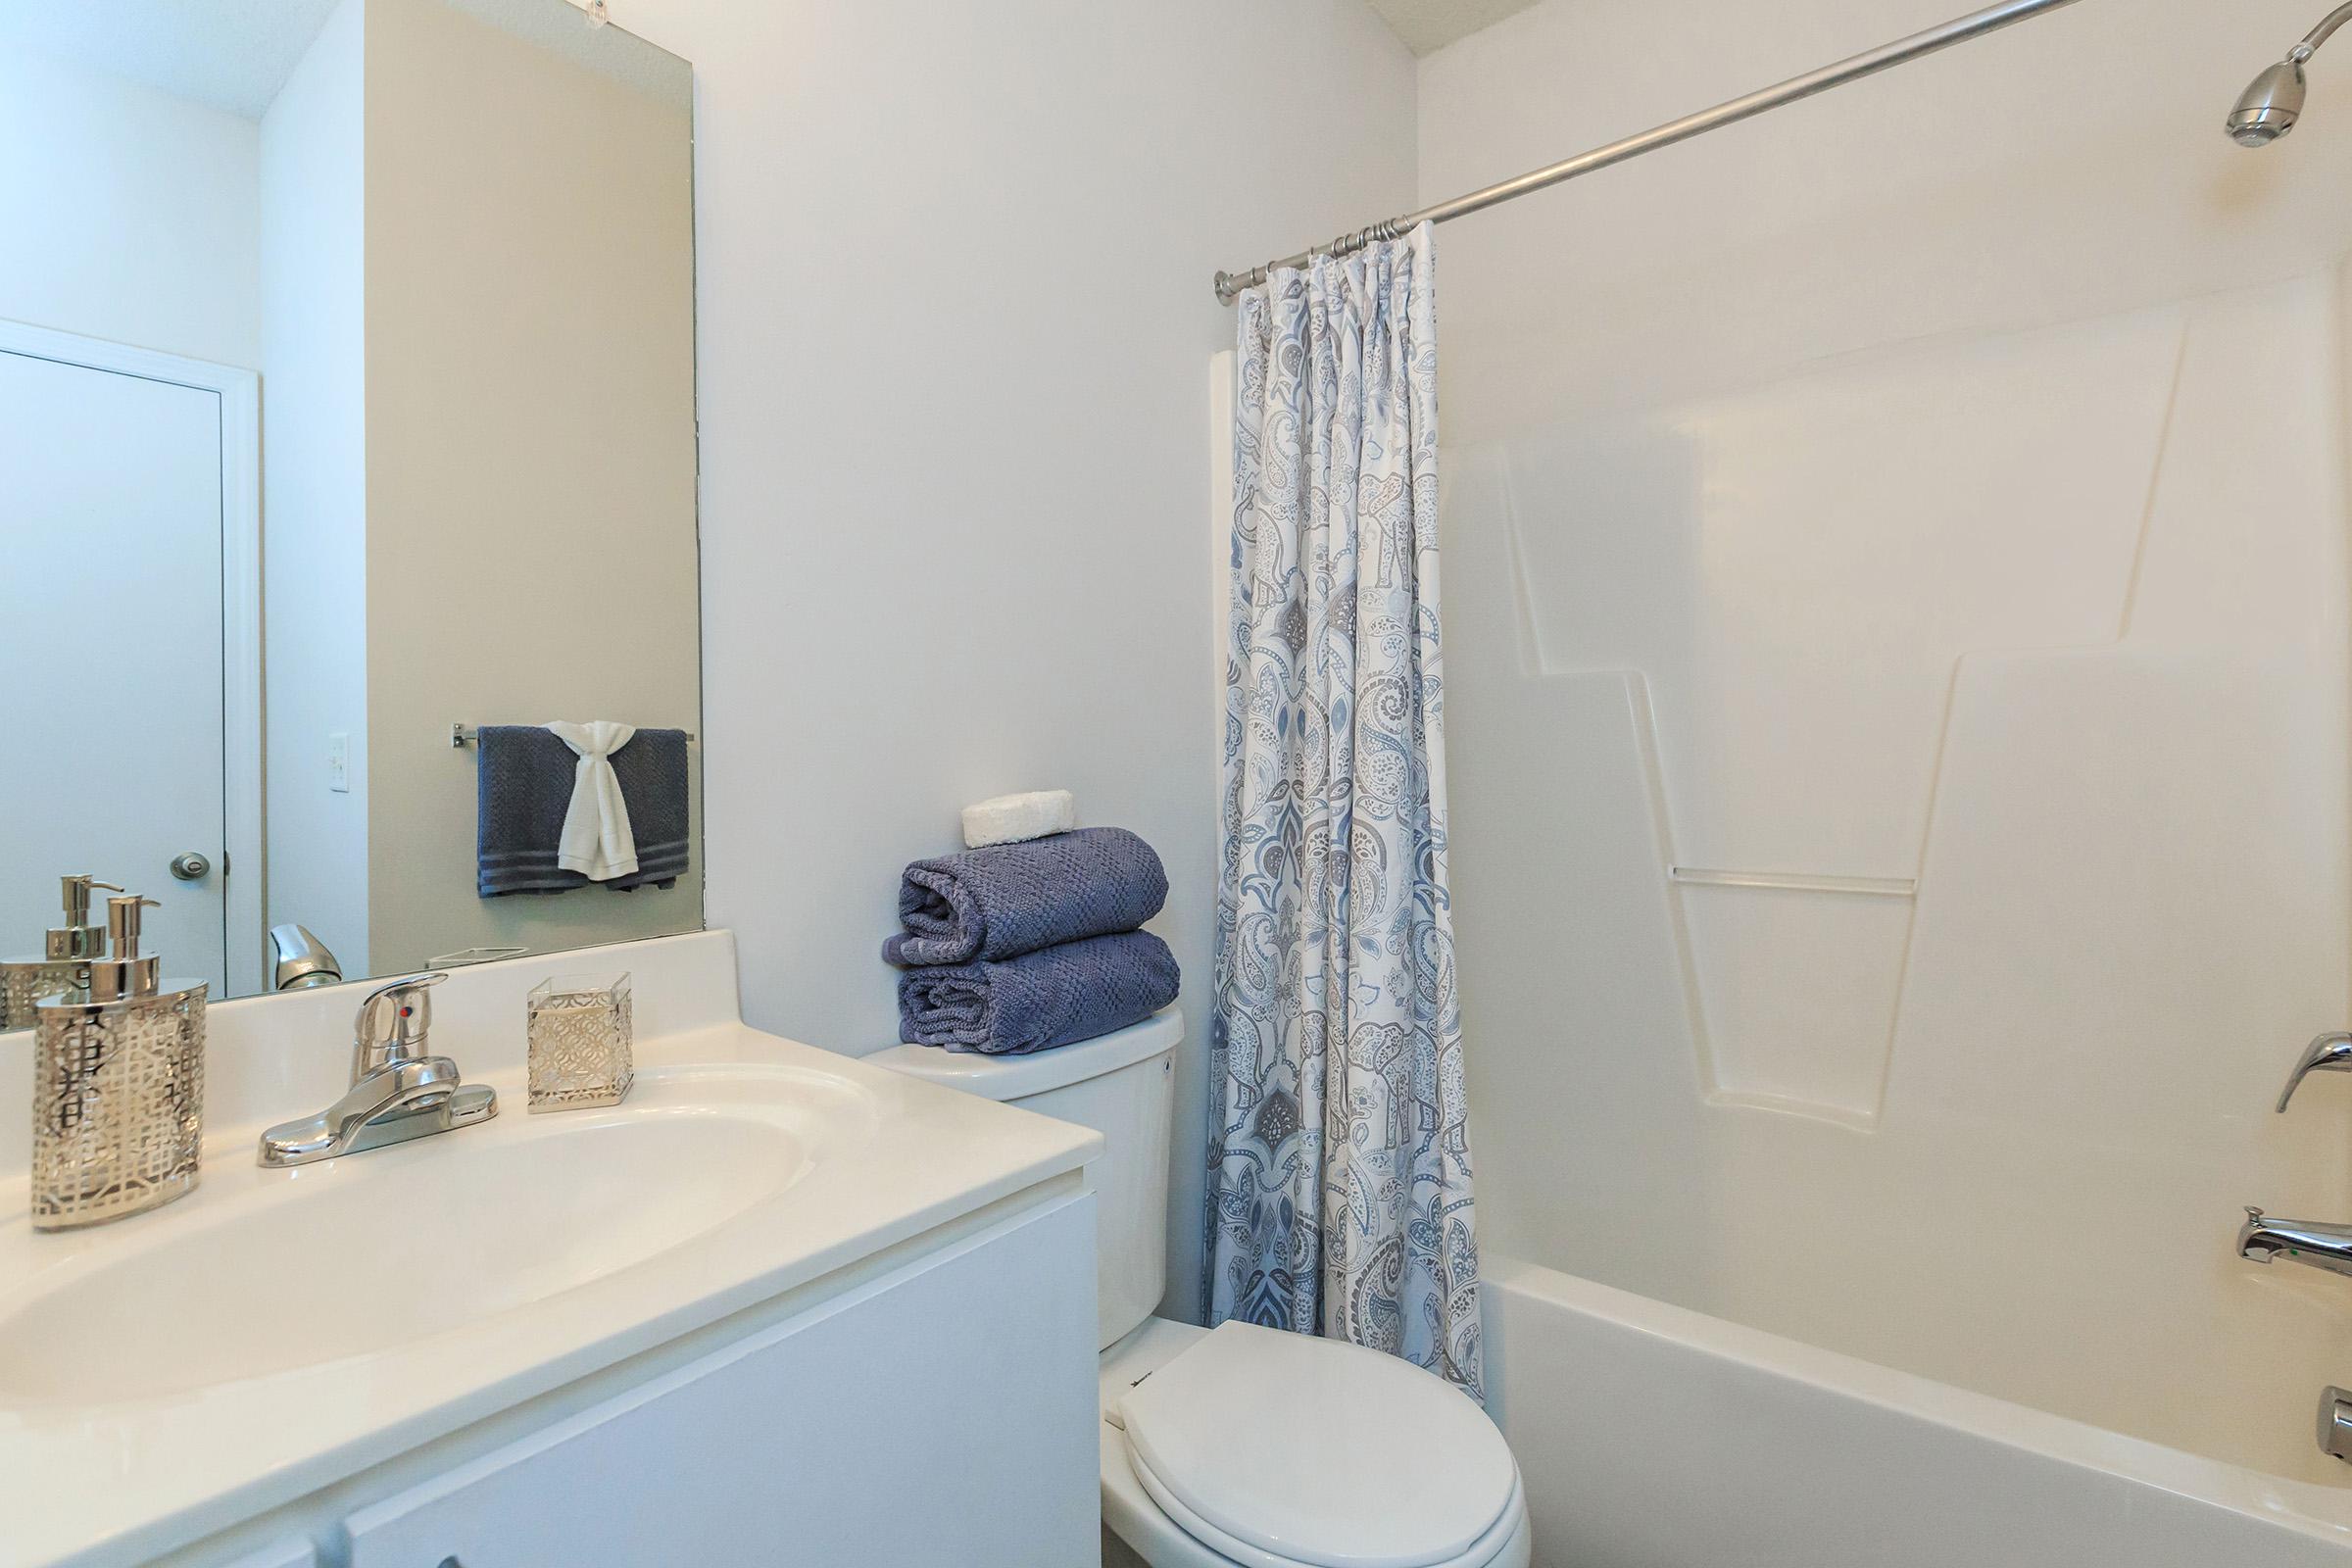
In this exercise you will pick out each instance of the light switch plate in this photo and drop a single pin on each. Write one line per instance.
(338, 762)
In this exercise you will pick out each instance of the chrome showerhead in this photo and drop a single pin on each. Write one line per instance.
(2268, 107)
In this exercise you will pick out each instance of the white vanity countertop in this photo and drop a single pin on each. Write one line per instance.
(121, 1435)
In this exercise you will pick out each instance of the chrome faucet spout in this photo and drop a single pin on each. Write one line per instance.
(410, 1088)
(397, 1091)
(2264, 1239)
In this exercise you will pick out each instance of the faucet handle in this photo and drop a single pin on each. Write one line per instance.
(394, 1021)
(2327, 1054)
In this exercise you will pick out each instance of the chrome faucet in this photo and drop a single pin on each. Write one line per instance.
(398, 1091)
(301, 959)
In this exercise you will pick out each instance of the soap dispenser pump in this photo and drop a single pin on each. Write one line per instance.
(117, 1086)
(64, 962)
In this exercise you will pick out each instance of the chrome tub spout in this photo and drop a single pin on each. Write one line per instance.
(2326, 1246)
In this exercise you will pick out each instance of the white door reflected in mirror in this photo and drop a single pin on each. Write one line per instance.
(111, 631)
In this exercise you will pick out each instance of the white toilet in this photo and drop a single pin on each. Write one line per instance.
(1235, 1449)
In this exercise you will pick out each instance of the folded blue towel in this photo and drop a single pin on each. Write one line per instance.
(524, 790)
(1040, 999)
(1009, 898)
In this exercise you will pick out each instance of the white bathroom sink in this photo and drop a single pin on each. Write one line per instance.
(371, 1251)
(274, 1331)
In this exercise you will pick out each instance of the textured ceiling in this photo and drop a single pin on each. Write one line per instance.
(1427, 25)
(231, 54)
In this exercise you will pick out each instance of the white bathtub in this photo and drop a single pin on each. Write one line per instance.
(1652, 1437)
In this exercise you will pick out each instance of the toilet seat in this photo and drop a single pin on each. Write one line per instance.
(1482, 1551)
(1244, 1441)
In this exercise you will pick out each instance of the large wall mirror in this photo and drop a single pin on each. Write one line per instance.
(346, 409)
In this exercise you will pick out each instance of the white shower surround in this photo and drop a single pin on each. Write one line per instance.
(2058, 637)
(2134, 902)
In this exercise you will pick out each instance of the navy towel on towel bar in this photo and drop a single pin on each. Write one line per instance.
(524, 791)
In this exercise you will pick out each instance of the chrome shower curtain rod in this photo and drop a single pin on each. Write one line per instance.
(1960, 30)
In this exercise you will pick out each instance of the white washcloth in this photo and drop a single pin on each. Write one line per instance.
(597, 841)
(1013, 818)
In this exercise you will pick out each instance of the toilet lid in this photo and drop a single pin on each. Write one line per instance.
(1317, 1452)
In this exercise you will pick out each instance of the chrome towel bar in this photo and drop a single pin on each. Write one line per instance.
(465, 735)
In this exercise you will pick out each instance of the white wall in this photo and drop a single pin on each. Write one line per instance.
(315, 452)
(955, 315)
(530, 469)
(131, 214)
(1873, 491)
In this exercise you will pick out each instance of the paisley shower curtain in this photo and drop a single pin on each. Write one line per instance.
(1339, 1184)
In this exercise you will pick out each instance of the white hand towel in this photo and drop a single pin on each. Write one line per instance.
(1014, 818)
(597, 841)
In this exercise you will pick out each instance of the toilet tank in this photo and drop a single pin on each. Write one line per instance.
(1119, 1085)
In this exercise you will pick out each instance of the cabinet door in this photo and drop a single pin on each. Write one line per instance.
(943, 1415)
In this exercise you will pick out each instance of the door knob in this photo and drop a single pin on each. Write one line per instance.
(191, 866)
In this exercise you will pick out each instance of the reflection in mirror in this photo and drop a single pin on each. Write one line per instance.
(346, 397)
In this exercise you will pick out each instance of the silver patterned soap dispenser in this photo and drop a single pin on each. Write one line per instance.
(64, 961)
(118, 1086)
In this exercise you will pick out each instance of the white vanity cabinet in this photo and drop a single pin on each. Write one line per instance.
(285, 1554)
(943, 1415)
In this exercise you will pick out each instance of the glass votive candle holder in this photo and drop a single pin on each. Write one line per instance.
(579, 1043)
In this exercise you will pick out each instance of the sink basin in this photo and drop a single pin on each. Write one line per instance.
(363, 1254)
